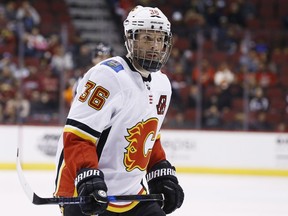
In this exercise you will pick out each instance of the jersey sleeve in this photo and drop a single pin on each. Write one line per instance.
(98, 100)
(157, 155)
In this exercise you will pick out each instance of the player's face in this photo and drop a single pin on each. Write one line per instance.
(149, 44)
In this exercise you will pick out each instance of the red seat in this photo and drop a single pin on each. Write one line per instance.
(182, 43)
(273, 24)
(253, 23)
(190, 115)
(219, 57)
(278, 57)
(274, 92)
(274, 118)
(228, 116)
(32, 61)
(266, 11)
(282, 8)
(277, 105)
(283, 80)
(237, 104)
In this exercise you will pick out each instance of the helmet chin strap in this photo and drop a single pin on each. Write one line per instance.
(149, 65)
(142, 71)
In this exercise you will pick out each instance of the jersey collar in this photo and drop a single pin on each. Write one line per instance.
(132, 68)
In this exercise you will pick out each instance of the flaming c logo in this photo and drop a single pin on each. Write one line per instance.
(135, 155)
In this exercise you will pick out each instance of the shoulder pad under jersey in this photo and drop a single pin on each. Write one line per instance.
(115, 65)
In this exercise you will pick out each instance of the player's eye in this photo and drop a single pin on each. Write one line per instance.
(147, 38)
(160, 39)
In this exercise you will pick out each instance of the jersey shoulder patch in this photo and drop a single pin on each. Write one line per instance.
(115, 65)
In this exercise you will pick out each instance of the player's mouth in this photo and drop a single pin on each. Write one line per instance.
(152, 55)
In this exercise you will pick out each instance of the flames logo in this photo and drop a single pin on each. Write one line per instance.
(135, 156)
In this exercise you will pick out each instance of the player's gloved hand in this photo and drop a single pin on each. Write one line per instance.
(90, 182)
(161, 179)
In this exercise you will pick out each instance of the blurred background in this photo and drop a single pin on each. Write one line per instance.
(228, 67)
(229, 74)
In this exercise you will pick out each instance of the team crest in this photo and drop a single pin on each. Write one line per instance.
(136, 156)
(115, 65)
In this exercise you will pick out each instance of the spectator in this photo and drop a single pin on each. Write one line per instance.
(11, 11)
(178, 82)
(43, 107)
(236, 123)
(258, 102)
(49, 83)
(17, 109)
(224, 77)
(193, 96)
(250, 60)
(235, 15)
(248, 10)
(83, 58)
(61, 61)
(224, 98)
(7, 35)
(68, 93)
(212, 15)
(7, 77)
(261, 123)
(53, 41)
(282, 127)
(179, 122)
(35, 43)
(204, 73)
(7, 92)
(28, 15)
(101, 52)
(212, 117)
(31, 83)
(264, 77)
(244, 77)
(6, 61)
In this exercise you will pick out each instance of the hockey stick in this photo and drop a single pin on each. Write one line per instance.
(35, 199)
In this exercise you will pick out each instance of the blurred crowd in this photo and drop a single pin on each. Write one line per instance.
(228, 67)
(229, 64)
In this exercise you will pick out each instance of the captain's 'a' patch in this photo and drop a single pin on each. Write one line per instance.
(115, 65)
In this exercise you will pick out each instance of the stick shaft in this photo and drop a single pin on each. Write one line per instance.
(37, 200)
(86, 199)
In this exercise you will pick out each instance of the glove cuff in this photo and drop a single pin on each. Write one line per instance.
(86, 174)
(162, 170)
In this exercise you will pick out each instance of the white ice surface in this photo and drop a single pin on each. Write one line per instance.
(205, 195)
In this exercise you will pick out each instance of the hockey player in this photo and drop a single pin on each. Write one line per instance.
(111, 139)
(101, 52)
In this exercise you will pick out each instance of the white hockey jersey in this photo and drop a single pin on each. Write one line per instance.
(114, 125)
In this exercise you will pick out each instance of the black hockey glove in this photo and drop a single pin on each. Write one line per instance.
(90, 182)
(161, 179)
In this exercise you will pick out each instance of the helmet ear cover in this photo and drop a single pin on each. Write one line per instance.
(131, 34)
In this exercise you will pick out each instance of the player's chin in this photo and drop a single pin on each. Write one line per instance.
(152, 57)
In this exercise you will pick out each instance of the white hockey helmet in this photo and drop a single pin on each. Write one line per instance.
(150, 20)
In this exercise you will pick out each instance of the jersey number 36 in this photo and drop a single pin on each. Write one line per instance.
(98, 95)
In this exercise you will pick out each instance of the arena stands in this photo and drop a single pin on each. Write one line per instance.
(247, 38)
